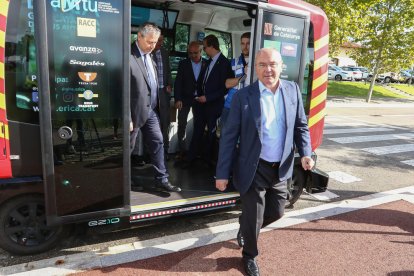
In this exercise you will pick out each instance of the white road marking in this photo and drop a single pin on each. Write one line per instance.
(324, 196)
(390, 149)
(343, 177)
(372, 138)
(409, 162)
(356, 130)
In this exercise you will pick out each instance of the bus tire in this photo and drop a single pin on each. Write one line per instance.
(23, 229)
(295, 186)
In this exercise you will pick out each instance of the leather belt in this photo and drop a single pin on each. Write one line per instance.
(270, 164)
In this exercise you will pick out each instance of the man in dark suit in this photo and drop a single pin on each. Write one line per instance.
(145, 102)
(162, 61)
(267, 121)
(210, 98)
(185, 89)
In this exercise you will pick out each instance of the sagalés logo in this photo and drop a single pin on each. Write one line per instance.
(87, 76)
(69, 5)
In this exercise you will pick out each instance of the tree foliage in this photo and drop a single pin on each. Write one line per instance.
(383, 28)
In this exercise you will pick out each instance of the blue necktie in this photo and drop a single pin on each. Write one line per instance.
(151, 78)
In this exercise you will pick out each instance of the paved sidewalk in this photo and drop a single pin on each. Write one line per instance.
(370, 235)
(375, 103)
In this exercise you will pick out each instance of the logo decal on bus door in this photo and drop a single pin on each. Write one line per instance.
(268, 29)
(87, 76)
(88, 95)
(86, 27)
(69, 5)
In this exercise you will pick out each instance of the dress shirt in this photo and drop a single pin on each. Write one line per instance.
(273, 120)
(196, 69)
(211, 65)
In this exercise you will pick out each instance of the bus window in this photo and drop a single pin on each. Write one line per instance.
(20, 64)
(308, 75)
(182, 37)
(224, 38)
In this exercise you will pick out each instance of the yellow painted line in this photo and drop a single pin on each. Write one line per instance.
(320, 80)
(6, 134)
(4, 7)
(322, 42)
(2, 101)
(319, 99)
(316, 118)
(2, 71)
(324, 60)
(2, 39)
(179, 202)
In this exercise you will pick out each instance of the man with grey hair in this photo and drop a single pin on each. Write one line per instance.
(266, 122)
(145, 102)
(185, 89)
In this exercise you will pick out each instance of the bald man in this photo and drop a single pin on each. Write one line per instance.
(267, 121)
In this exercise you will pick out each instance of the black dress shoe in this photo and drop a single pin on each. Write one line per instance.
(240, 240)
(250, 267)
(168, 187)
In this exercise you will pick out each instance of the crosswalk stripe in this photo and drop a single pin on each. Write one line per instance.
(372, 138)
(390, 149)
(355, 130)
(331, 125)
(409, 162)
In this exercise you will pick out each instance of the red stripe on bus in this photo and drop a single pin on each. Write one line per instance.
(317, 109)
(322, 52)
(2, 88)
(3, 21)
(316, 92)
(316, 133)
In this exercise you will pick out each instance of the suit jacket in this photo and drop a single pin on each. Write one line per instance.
(165, 57)
(185, 83)
(214, 89)
(244, 124)
(140, 88)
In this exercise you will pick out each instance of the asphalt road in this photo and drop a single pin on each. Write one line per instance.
(366, 149)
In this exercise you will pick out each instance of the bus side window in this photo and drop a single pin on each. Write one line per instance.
(20, 64)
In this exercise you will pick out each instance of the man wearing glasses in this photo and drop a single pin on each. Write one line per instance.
(267, 122)
(185, 89)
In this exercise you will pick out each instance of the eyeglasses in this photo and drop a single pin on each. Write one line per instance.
(193, 53)
(272, 65)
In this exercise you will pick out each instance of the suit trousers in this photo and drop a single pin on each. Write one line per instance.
(262, 204)
(153, 142)
(165, 119)
(182, 126)
(204, 115)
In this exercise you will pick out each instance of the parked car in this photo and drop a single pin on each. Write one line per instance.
(336, 73)
(407, 76)
(364, 71)
(355, 72)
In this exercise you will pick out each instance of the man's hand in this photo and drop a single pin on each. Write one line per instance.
(179, 105)
(221, 184)
(131, 126)
(168, 89)
(201, 99)
(307, 163)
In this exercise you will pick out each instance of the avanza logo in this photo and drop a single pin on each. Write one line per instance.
(86, 63)
(85, 50)
(69, 5)
(87, 76)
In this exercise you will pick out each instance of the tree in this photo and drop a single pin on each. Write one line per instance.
(383, 28)
(387, 35)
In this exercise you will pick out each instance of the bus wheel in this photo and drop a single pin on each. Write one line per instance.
(295, 186)
(23, 229)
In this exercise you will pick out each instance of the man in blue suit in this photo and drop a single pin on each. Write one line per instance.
(210, 98)
(267, 121)
(185, 89)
